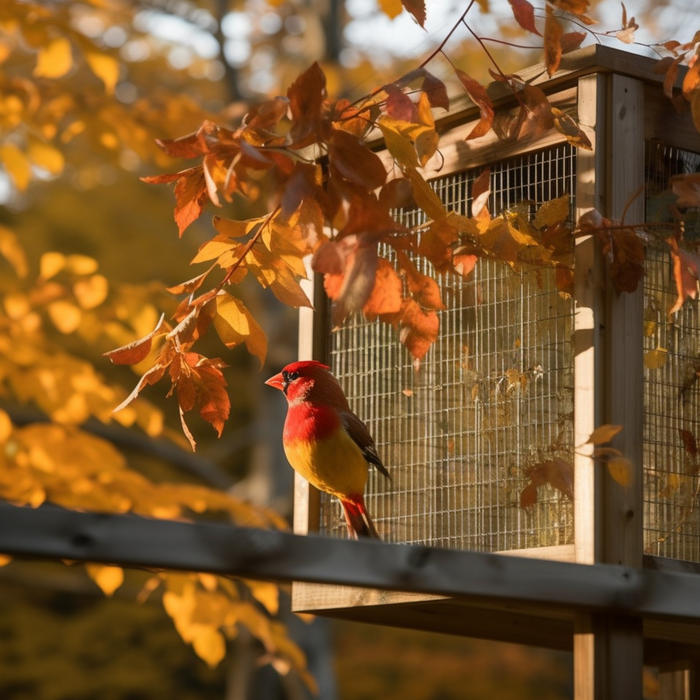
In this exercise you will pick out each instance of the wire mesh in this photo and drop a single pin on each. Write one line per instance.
(671, 378)
(493, 396)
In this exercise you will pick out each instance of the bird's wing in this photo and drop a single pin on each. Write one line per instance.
(357, 430)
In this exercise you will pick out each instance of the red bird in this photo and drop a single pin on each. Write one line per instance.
(326, 442)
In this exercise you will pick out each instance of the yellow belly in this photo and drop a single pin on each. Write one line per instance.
(334, 464)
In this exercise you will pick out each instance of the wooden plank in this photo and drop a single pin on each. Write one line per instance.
(588, 341)
(679, 680)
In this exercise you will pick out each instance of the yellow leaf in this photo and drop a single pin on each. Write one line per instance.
(13, 252)
(209, 644)
(54, 60)
(553, 212)
(17, 165)
(235, 325)
(391, 8)
(620, 469)
(46, 156)
(65, 315)
(398, 145)
(91, 291)
(81, 264)
(51, 264)
(604, 433)
(5, 559)
(267, 594)
(655, 359)
(108, 578)
(105, 67)
(5, 426)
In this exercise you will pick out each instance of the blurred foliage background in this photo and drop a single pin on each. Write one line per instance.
(86, 87)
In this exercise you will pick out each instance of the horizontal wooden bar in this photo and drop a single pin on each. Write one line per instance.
(130, 541)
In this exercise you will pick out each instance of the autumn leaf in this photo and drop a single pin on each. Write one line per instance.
(621, 470)
(655, 359)
(398, 104)
(418, 329)
(604, 433)
(686, 272)
(524, 14)
(235, 324)
(55, 59)
(306, 99)
(386, 295)
(108, 578)
(687, 188)
(557, 472)
(553, 212)
(478, 95)
(553, 32)
(354, 161)
(133, 353)
(391, 8)
(565, 124)
(417, 9)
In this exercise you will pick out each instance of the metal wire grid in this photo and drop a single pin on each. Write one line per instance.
(493, 397)
(671, 381)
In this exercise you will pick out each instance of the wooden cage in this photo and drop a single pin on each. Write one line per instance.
(521, 375)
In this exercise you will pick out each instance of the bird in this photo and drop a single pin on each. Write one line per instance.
(326, 442)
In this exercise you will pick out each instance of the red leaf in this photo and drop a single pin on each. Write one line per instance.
(134, 352)
(477, 93)
(399, 105)
(190, 146)
(417, 9)
(524, 14)
(424, 289)
(354, 161)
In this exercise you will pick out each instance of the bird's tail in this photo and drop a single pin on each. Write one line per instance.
(357, 518)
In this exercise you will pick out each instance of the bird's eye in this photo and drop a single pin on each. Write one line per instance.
(288, 378)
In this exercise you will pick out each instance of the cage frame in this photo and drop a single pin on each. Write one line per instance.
(614, 95)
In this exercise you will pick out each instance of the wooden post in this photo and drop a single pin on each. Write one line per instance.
(608, 651)
(679, 680)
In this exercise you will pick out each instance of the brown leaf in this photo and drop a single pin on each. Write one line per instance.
(556, 472)
(306, 99)
(689, 442)
(436, 91)
(553, 32)
(524, 14)
(656, 359)
(418, 329)
(477, 93)
(354, 161)
(576, 7)
(481, 191)
(417, 9)
(566, 125)
(627, 252)
(133, 353)
(189, 146)
(396, 194)
(603, 434)
(571, 41)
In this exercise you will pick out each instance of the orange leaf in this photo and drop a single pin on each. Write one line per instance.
(671, 75)
(418, 329)
(478, 95)
(385, 297)
(481, 190)
(553, 32)
(686, 272)
(190, 196)
(621, 470)
(691, 82)
(133, 353)
(571, 41)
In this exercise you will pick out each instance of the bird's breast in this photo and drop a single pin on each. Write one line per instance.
(320, 449)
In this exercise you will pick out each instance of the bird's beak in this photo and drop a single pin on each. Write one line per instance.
(277, 381)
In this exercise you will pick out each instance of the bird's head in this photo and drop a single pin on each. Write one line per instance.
(309, 380)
